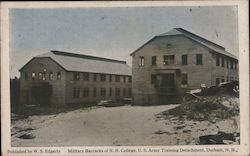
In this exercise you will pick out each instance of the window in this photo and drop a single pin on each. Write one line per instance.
(95, 77)
(217, 81)
(58, 75)
(103, 91)
(141, 61)
(117, 78)
(184, 60)
(129, 79)
(94, 92)
(124, 92)
(41, 76)
(231, 64)
(129, 92)
(184, 79)
(198, 59)
(110, 91)
(168, 59)
(85, 92)
(26, 76)
(50, 75)
(76, 76)
(33, 76)
(103, 77)
(110, 78)
(153, 60)
(86, 76)
(217, 60)
(236, 65)
(222, 61)
(153, 79)
(44, 76)
(124, 79)
(76, 92)
(227, 63)
(117, 91)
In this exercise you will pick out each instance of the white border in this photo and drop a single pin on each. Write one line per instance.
(243, 71)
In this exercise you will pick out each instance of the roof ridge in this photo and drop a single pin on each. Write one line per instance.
(185, 31)
(86, 56)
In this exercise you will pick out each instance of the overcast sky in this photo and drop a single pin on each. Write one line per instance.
(112, 32)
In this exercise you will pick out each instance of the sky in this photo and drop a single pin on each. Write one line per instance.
(112, 32)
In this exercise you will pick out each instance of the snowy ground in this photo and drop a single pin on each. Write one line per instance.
(126, 125)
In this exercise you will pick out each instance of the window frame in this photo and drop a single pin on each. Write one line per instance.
(184, 59)
(103, 92)
(76, 76)
(33, 75)
(59, 76)
(141, 61)
(117, 92)
(153, 60)
(168, 59)
(103, 77)
(199, 59)
(117, 78)
(85, 76)
(51, 76)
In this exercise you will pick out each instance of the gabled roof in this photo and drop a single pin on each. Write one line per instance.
(87, 63)
(209, 44)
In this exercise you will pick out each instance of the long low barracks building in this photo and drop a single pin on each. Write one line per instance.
(59, 78)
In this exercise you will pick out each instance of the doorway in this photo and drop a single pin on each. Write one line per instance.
(41, 94)
(167, 83)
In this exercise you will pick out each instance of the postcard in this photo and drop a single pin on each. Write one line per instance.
(125, 78)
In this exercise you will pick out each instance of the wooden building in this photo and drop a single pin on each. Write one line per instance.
(171, 63)
(59, 78)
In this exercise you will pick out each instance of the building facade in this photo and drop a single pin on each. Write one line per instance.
(172, 63)
(59, 78)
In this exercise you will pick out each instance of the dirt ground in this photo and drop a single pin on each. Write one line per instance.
(116, 126)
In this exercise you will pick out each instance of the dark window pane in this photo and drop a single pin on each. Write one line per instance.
(86, 76)
(110, 78)
(217, 60)
(184, 59)
(198, 59)
(76, 76)
(153, 60)
(117, 91)
(58, 75)
(117, 78)
(222, 61)
(110, 91)
(103, 77)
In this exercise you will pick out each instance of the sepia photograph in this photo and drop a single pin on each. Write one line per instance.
(125, 76)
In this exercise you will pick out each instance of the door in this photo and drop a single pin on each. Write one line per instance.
(41, 94)
(168, 83)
